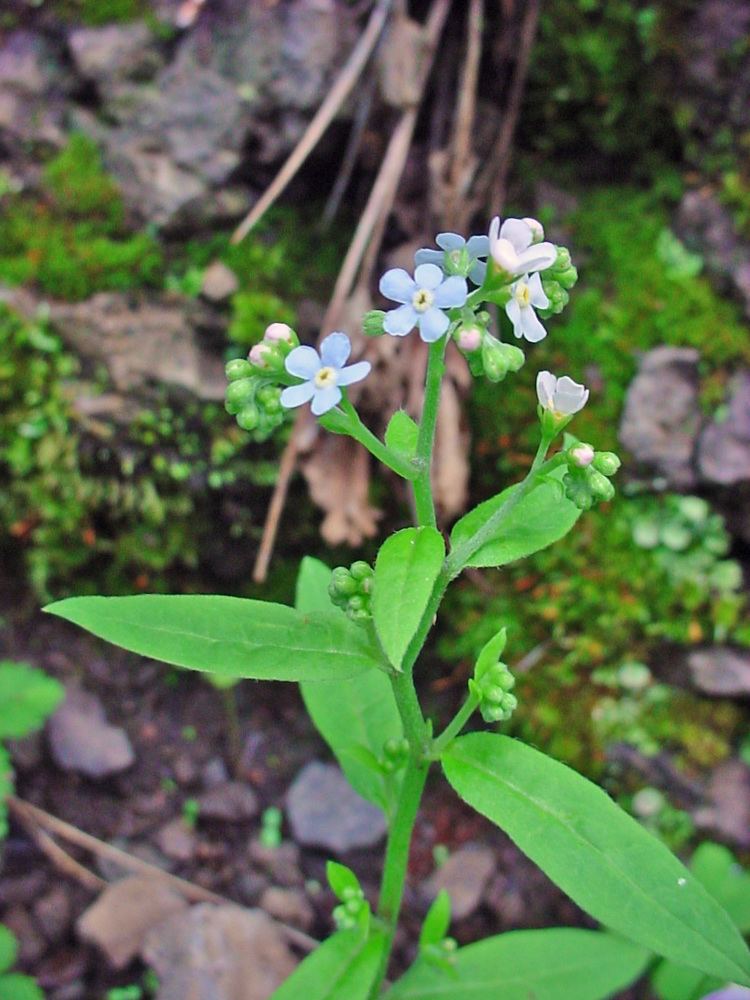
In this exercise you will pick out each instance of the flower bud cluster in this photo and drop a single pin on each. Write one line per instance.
(395, 752)
(485, 354)
(350, 912)
(351, 590)
(557, 282)
(493, 682)
(441, 953)
(253, 396)
(587, 480)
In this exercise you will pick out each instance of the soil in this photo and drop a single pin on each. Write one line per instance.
(178, 728)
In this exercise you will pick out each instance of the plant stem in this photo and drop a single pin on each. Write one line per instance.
(422, 488)
(415, 728)
(455, 726)
(356, 429)
(397, 858)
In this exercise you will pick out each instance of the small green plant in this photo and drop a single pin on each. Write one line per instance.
(14, 985)
(270, 827)
(27, 697)
(355, 655)
(191, 810)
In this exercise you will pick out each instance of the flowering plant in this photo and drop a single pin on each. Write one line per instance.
(355, 635)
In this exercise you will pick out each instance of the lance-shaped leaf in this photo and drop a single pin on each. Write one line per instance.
(228, 636)
(357, 714)
(556, 964)
(606, 861)
(342, 968)
(406, 569)
(541, 518)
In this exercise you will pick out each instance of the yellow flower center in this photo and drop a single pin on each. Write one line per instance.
(523, 295)
(325, 378)
(422, 300)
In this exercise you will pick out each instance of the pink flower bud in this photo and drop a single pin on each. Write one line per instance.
(469, 338)
(257, 355)
(278, 331)
(582, 455)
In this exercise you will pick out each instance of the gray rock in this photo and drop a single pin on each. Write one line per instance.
(727, 813)
(82, 740)
(464, 876)
(122, 916)
(282, 863)
(231, 802)
(724, 446)
(144, 339)
(218, 953)
(290, 906)
(707, 227)
(661, 419)
(720, 670)
(325, 811)
(214, 773)
(115, 54)
(33, 85)
(219, 282)
(177, 840)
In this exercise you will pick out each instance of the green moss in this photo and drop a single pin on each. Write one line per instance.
(70, 240)
(94, 13)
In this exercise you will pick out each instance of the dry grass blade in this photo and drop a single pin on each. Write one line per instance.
(323, 118)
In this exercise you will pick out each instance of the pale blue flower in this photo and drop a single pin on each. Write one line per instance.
(516, 246)
(477, 247)
(526, 294)
(562, 396)
(423, 298)
(324, 373)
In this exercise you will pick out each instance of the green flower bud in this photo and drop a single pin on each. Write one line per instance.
(372, 324)
(457, 261)
(494, 362)
(563, 261)
(606, 462)
(578, 490)
(240, 392)
(238, 368)
(247, 418)
(568, 277)
(342, 583)
(600, 485)
(361, 570)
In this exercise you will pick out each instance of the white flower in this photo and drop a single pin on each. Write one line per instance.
(513, 249)
(562, 396)
(526, 294)
(537, 230)
(324, 373)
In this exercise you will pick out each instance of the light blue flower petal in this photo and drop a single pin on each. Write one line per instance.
(450, 241)
(354, 373)
(335, 349)
(399, 322)
(513, 312)
(325, 399)
(428, 276)
(531, 325)
(478, 246)
(427, 256)
(478, 272)
(432, 325)
(452, 292)
(296, 395)
(303, 362)
(396, 284)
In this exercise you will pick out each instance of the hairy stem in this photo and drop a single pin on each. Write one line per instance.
(455, 726)
(354, 427)
(422, 488)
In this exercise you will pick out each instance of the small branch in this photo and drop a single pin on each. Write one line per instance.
(492, 183)
(350, 155)
(36, 820)
(322, 119)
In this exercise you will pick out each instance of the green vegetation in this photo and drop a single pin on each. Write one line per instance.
(70, 239)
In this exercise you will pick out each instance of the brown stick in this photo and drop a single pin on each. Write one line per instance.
(287, 465)
(492, 184)
(36, 820)
(462, 153)
(322, 119)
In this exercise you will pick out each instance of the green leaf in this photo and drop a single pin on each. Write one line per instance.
(8, 948)
(555, 964)
(6, 789)
(342, 968)
(678, 982)
(341, 879)
(407, 566)
(358, 716)
(401, 434)
(606, 861)
(27, 697)
(19, 987)
(437, 921)
(228, 636)
(541, 518)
